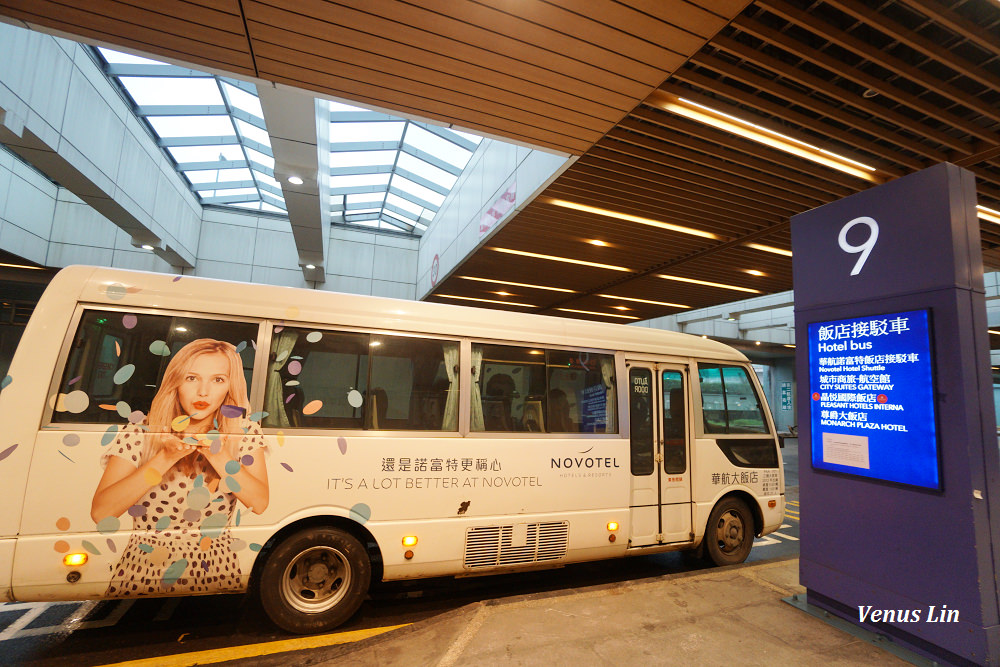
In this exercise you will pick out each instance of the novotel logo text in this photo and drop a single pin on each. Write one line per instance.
(585, 462)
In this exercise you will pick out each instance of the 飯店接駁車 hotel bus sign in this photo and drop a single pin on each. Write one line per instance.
(872, 398)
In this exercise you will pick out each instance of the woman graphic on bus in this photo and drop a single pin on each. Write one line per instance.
(179, 473)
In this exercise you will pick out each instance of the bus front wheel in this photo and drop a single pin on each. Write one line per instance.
(314, 580)
(730, 532)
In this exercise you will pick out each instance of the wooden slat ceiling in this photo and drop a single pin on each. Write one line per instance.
(896, 84)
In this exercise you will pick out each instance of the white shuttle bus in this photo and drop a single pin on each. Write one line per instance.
(169, 435)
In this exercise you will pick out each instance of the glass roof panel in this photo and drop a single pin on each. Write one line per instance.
(426, 170)
(361, 141)
(241, 99)
(362, 158)
(192, 126)
(218, 175)
(185, 154)
(174, 97)
(376, 131)
(359, 180)
(146, 90)
(439, 147)
(248, 131)
(416, 190)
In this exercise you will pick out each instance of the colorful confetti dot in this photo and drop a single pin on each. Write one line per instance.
(111, 546)
(286, 467)
(292, 383)
(62, 546)
(123, 374)
(180, 423)
(233, 485)
(160, 348)
(62, 523)
(290, 397)
(342, 444)
(213, 525)
(129, 321)
(257, 416)
(281, 357)
(281, 438)
(7, 452)
(163, 523)
(136, 510)
(255, 547)
(176, 279)
(136, 417)
(361, 513)
(355, 399)
(232, 411)
(205, 544)
(109, 435)
(174, 572)
(314, 336)
(146, 548)
(242, 346)
(91, 548)
(238, 545)
(123, 409)
(71, 440)
(291, 312)
(109, 524)
(247, 460)
(76, 401)
(6, 382)
(295, 367)
(74, 380)
(312, 407)
(198, 498)
(152, 476)
(232, 467)
(66, 457)
(192, 515)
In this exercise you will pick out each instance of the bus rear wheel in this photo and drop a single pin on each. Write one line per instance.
(730, 532)
(314, 580)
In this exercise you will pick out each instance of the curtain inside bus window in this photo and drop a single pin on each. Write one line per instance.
(316, 379)
(410, 383)
(511, 388)
(608, 376)
(450, 420)
(476, 408)
(640, 382)
(117, 360)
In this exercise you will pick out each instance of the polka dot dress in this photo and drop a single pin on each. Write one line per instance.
(180, 541)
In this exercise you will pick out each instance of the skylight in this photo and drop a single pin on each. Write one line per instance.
(384, 172)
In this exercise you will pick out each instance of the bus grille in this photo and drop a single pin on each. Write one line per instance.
(492, 546)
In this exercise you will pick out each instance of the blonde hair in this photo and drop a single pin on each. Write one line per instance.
(166, 405)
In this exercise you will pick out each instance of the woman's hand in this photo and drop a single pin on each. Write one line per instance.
(174, 449)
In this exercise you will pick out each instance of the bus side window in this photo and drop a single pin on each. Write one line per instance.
(343, 380)
(640, 384)
(731, 407)
(117, 360)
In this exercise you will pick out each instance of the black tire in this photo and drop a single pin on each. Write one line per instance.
(314, 580)
(730, 532)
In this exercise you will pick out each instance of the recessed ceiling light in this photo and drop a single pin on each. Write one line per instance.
(988, 214)
(503, 294)
(710, 284)
(756, 342)
(763, 135)
(754, 272)
(562, 259)
(508, 282)
(310, 266)
(633, 218)
(621, 307)
(769, 248)
(295, 180)
(597, 242)
(146, 246)
(590, 312)
(472, 298)
(649, 301)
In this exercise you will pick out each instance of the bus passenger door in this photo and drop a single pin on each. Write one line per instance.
(661, 480)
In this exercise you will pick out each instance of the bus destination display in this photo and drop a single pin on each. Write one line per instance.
(872, 398)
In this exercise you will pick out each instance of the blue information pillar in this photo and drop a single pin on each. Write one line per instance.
(900, 473)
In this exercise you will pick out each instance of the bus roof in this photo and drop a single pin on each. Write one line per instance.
(139, 289)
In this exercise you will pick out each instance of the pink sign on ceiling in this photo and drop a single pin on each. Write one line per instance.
(498, 209)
